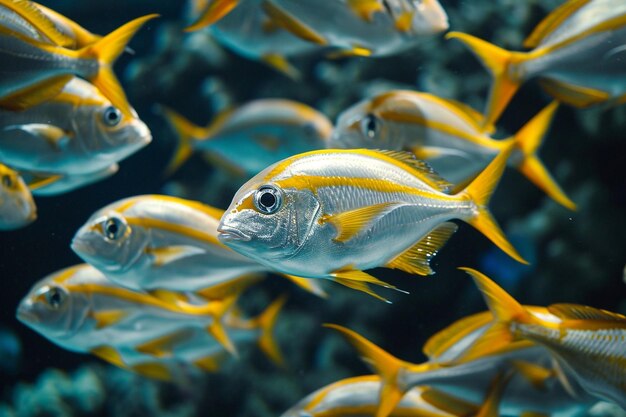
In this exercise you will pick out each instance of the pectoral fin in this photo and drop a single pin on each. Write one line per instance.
(291, 23)
(109, 354)
(153, 370)
(535, 374)
(35, 94)
(416, 260)
(107, 318)
(280, 63)
(211, 363)
(168, 254)
(352, 222)
(55, 136)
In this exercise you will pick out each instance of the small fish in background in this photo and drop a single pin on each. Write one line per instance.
(462, 364)
(251, 137)
(77, 132)
(588, 343)
(156, 243)
(10, 351)
(37, 60)
(276, 29)
(81, 310)
(17, 207)
(42, 184)
(577, 55)
(333, 213)
(445, 133)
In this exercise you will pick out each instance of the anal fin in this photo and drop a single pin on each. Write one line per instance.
(448, 403)
(416, 260)
(359, 280)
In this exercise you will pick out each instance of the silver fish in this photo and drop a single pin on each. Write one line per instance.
(17, 208)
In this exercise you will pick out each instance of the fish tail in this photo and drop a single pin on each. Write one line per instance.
(385, 365)
(528, 140)
(308, 284)
(480, 191)
(213, 13)
(266, 322)
(216, 329)
(501, 64)
(186, 132)
(106, 51)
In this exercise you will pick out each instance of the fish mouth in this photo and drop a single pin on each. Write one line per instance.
(228, 234)
(26, 316)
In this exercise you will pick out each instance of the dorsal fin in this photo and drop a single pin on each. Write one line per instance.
(425, 171)
(551, 22)
(581, 312)
(446, 338)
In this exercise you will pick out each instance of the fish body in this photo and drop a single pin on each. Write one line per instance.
(17, 208)
(590, 344)
(333, 213)
(78, 36)
(79, 309)
(43, 184)
(577, 56)
(254, 135)
(79, 131)
(446, 133)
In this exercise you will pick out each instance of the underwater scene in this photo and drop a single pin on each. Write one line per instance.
(297, 208)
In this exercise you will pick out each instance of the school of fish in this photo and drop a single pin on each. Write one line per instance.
(159, 290)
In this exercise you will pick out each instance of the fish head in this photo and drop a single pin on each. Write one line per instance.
(266, 222)
(360, 126)
(52, 310)
(428, 18)
(110, 243)
(17, 207)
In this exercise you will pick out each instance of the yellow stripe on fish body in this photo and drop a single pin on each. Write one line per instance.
(588, 342)
(329, 214)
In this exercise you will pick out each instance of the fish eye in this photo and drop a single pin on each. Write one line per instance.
(7, 181)
(55, 297)
(113, 228)
(370, 125)
(111, 116)
(268, 199)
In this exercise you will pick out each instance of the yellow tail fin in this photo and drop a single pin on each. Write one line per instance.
(528, 140)
(106, 51)
(480, 191)
(314, 286)
(216, 329)
(385, 365)
(186, 132)
(266, 322)
(501, 64)
(214, 12)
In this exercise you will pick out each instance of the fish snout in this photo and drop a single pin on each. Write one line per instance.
(230, 234)
(25, 313)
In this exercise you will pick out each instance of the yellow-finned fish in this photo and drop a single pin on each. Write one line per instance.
(462, 364)
(589, 343)
(44, 184)
(272, 30)
(81, 310)
(334, 213)
(17, 208)
(156, 242)
(577, 54)
(78, 35)
(77, 132)
(36, 64)
(253, 136)
(445, 133)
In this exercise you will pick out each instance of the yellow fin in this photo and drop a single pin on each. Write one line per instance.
(491, 404)
(82, 37)
(553, 21)
(580, 312)
(355, 51)
(186, 132)
(357, 276)
(168, 254)
(153, 370)
(216, 10)
(311, 285)
(492, 341)
(53, 135)
(229, 288)
(29, 11)
(574, 95)
(107, 318)
(480, 191)
(163, 346)
(35, 94)
(170, 297)
(422, 169)
(106, 51)
(384, 364)
(500, 63)
(210, 363)
(266, 322)
(448, 403)
(365, 9)
(416, 260)
(443, 340)
(360, 286)
(217, 330)
(352, 222)
(403, 22)
(292, 24)
(535, 374)
(109, 354)
(43, 181)
(282, 65)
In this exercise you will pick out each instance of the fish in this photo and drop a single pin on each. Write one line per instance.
(463, 365)
(447, 134)
(274, 30)
(81, 310)
(77, 36)
(77, 132)
(36, 70)
(157, 242)
(588, 343)
(17, 207)
(331, 214)
(253, 136)
(576, 54)
(358, 396)
(44, 184)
